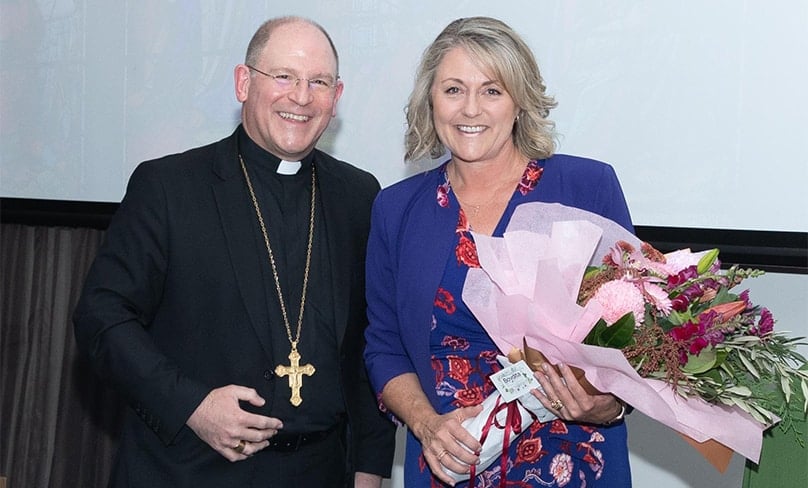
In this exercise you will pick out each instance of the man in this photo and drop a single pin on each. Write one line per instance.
(227, 302)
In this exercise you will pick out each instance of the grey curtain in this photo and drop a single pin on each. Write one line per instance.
(58, 424)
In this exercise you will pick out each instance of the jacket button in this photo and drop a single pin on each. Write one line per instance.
(268, 374)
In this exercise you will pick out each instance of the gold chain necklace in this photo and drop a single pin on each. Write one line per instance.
(295, 371)
(475, 209)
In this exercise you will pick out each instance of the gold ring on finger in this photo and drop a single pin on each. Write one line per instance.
(240, 447)
(556, 405)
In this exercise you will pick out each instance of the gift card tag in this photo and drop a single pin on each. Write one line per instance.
(514, 381)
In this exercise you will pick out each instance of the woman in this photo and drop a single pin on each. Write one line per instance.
(479, 94)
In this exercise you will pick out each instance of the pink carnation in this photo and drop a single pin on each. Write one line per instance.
(659, 298)
(619, 298)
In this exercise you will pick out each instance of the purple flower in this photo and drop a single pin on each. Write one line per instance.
(680, 303)
(707, 319)
(714, 337)
(682, 276)
(710, 284)
(693, 291)
(765, 324)
(745, 297)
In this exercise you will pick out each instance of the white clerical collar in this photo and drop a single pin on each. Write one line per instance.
(288, 167)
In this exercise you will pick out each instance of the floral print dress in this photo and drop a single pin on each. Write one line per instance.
(552, 454)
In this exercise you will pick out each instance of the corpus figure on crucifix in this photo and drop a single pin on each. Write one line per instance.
(295, 373)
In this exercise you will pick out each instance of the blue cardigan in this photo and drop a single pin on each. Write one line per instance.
(410, 240)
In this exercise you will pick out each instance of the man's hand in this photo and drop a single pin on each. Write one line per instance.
(223, 425)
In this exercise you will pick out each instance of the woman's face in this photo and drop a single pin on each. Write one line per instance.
(472, 112)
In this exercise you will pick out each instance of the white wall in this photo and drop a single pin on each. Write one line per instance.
(699, 105)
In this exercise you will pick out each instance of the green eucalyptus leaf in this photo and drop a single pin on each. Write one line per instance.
(704, 361)
(740, 391)
(785, 386)
(720, 356)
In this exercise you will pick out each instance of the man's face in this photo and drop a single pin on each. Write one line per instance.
(286, 115)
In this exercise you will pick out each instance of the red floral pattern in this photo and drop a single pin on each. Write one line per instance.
(455, 343)
(529, 450)
(531, 177)
(445, 300)
(468, 397)
(466, 251)
(443, 194)
(459, 369)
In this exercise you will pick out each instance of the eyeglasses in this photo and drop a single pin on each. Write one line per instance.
(288, 81)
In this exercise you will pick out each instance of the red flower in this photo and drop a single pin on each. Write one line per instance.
(466, 252)
(697, 345)
(558, 427)
(490, 357)
(445, 300)
(468, 397)
(536, 426)
(456, 343)
(459, 369)
(530, 178)
(437, 366)
(529, 450)
(443, 195)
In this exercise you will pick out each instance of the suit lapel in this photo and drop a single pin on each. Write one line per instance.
(237, 219)
(340, 242)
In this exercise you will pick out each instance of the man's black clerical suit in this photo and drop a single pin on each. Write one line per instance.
(176, 304)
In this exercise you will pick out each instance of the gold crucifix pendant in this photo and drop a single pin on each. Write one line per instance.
(295, 372)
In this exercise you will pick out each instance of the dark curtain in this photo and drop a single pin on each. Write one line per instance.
(58, 423)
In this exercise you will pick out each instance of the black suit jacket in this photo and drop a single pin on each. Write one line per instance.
(174, 306)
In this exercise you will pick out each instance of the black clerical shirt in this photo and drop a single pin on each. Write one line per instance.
(284, 201)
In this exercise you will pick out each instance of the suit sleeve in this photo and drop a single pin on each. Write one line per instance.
(372, 435)
(120, 298)
(375, 432)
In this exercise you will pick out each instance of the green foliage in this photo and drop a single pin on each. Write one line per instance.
(617, 336)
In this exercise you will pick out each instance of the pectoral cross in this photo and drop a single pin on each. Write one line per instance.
(295, 372)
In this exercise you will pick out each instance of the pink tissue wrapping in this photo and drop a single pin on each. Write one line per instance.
(516, 295)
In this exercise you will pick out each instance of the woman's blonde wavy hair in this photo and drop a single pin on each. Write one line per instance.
(504, 54)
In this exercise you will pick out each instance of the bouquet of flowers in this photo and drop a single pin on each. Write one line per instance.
(676, 319)
(665, 333)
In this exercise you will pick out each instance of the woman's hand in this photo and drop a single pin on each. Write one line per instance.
(443, 439)
(566, 398)
(447, 444)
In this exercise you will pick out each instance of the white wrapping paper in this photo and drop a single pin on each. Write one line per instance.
(527, 408)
